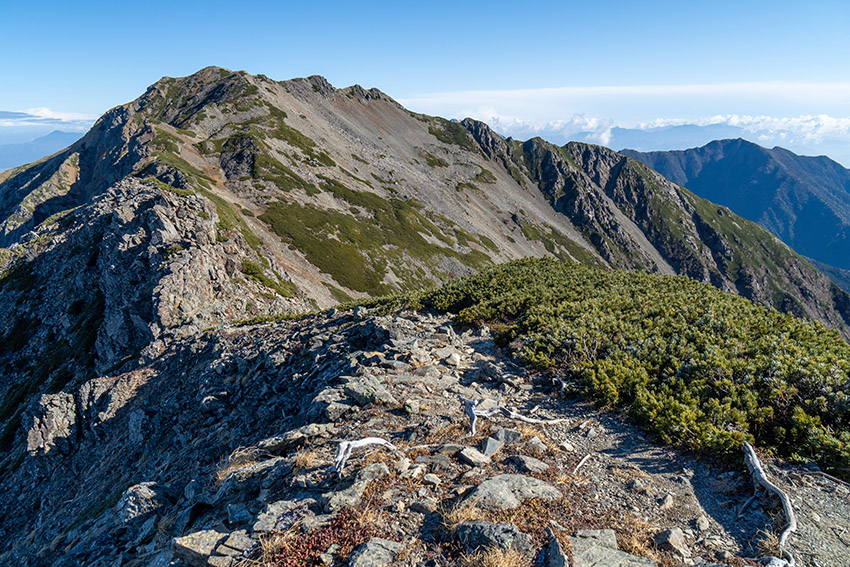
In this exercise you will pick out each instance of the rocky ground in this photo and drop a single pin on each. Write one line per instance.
(223, 451)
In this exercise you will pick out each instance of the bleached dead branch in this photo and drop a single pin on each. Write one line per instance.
(469, 406)
(760, 480)
(343, 452)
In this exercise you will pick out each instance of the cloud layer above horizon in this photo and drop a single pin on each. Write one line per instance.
(26, 125)
(808, 118)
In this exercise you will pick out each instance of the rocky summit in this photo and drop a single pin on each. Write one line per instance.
(226, 451)
(194, 370)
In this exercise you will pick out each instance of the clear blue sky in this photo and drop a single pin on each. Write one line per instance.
(87, 56)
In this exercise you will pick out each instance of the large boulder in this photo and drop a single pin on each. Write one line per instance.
(507, 491)
(376, 552)
(482, 535)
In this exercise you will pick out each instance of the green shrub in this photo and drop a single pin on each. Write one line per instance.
(702, 368)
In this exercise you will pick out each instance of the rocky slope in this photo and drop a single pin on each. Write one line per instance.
(223, 196)
(805, 201)
(221, 450)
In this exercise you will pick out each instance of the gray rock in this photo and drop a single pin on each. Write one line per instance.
(490, 446)
(507, 436)
(237, 514)
(367, 390)
(431, 479)
(52, 424)
(280, 515)
(376, 552)
(535, 445)
(291, 440)
(673, 540)
(602, 538)
(238, 542)
(427, 505)
(702, 524)
(221, 561)
(473, 457)
(372, 472)
(599, 556)
(553, 554)
(667, 502)
(480, 535)
(411, 406)
(139, 501)
(528, 464)
(344, 498)
(194, 549)
(507, 491)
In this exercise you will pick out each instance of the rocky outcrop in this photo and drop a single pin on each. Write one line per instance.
(198, 455)
(143, 424)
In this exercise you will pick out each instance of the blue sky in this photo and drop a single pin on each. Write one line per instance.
(555, 68)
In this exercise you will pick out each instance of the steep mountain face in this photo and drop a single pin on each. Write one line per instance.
(224, 196)
(127, 258)
(805, 201)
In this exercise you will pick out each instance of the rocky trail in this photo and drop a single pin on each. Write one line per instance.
(221, 452)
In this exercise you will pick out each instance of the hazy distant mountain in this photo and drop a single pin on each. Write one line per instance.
(805, 201)
(13, 155)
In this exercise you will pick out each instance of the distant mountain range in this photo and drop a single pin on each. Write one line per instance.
(805, 201)
(13, 155)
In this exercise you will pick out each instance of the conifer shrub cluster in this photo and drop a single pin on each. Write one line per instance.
(702, 368)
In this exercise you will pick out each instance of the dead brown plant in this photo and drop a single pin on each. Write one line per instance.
(495, 557)
(768, 543)
(453, 516)
(306, 459)
(240, 458)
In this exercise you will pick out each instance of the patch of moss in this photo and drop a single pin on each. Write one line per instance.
(434, 161)
(256, 273)
(452, 133)
(484, 176)
(339, 294)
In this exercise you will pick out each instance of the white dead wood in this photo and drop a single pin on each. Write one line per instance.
(760, 480)
(469, 406)
(581, 463)
(343, 452)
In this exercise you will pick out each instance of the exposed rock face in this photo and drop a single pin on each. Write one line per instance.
(198, 454)
(141, 426)
(52, 425)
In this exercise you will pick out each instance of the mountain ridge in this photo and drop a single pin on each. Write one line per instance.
(173, 375)
(803, 200)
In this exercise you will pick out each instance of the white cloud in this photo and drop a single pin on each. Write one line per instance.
(61, 116)
(44, 118)
(808, 129)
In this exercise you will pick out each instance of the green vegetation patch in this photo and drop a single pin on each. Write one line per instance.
(162, 186)
(450, 132)
(434, 161)
(484, 176)
(557, 244)
(702, 368)
(356, 249)
(256, 273)
(230, 219)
